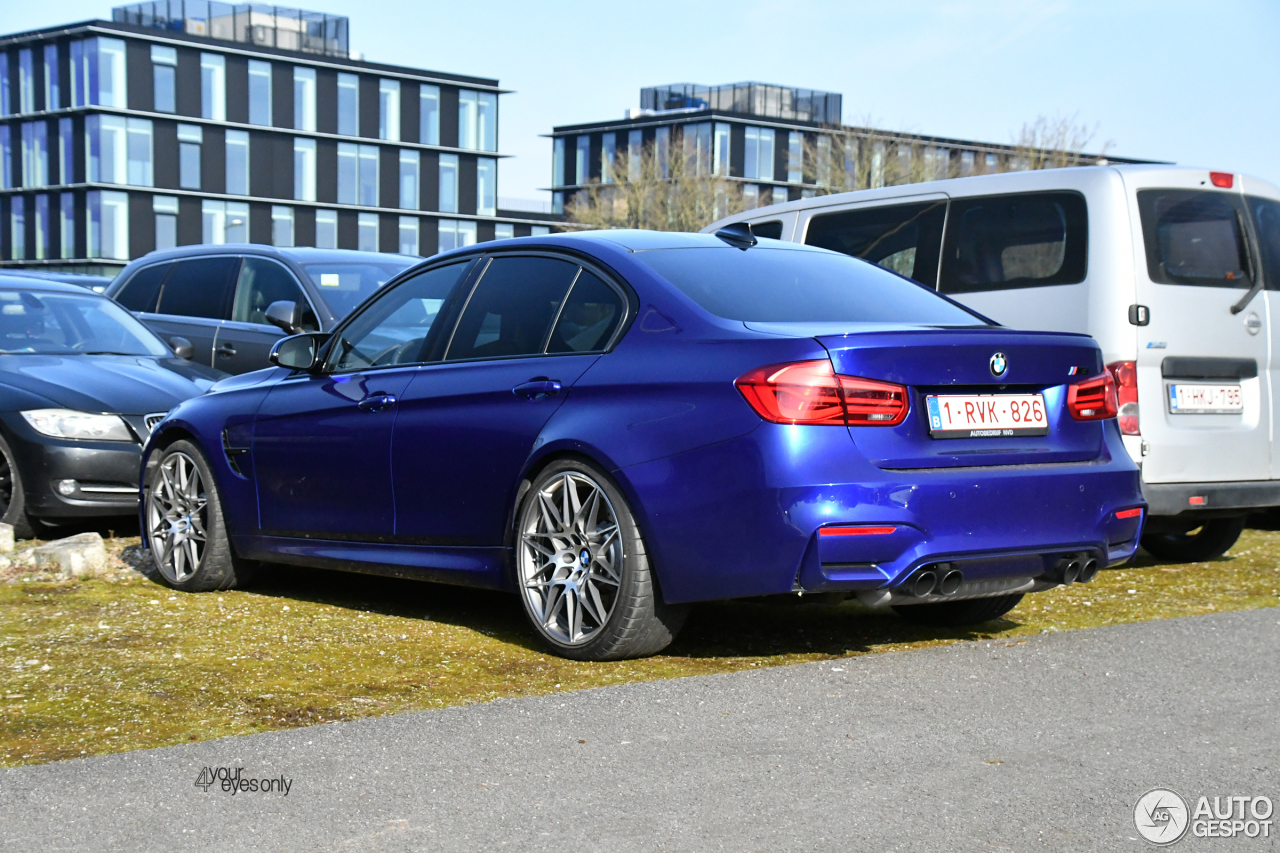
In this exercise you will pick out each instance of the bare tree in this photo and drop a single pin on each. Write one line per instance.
(840, 160)
(1054, 143)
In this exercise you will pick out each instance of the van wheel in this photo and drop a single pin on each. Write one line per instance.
(953, 614)
(1206, 542)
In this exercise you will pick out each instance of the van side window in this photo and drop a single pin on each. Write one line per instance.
(139, 293)
(1014, 241)
(1266, 219)
(1194, 237)
(771, 230)
(904, 238)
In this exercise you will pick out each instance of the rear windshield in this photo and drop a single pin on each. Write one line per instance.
(1195, 237)
(788, 286)
(343, 284)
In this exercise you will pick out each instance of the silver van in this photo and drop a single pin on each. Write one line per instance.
(1174, 270)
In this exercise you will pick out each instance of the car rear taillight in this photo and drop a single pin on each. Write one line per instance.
(810, 392)
(1126, 376)
(1222, 179)
(1094, 399)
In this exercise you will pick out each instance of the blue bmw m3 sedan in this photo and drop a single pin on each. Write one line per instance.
(614, 425)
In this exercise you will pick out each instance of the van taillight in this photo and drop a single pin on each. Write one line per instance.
(1094, 399)
(1126, 376)
(810, 392)
(1222, 179)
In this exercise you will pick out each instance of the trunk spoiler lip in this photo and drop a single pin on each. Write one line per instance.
(827, 329)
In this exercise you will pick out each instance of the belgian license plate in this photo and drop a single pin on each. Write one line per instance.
(1187, 398)
(987, 415)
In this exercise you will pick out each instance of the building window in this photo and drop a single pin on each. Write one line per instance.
(367, 232)
(237, 162)
(504, 231)
(408, 235)
(608, 157)
(304, 98)
(304, 169)
(937, 162)
(357, 174)
(97, 73)
(557, 162)
(429, 114)
(17, 228)
(697, 148)
(662, 146)
(164, 68)
(455, 235)
(213, 86)
(190, 138)
(582, 161)
(348, 105)
(165, 208)
(389, 110)
(966, 163)
(6, 159)
(108, 215)
(448, 183)
(52, 89)
(557, 202)
(759, 153)
(67, 224)
(369, 175)
(26, 81)
(992, 165)
(224, 222)
(4, 84)
(539, 231)
(635, 154)
(66, 151)
(281, 226)
(795, 157)
(409, 166)
(141, 153)
(35, 154)
(720, 156)
(326, 229)
(477, 120)
(42, 235)
(487, 186)
(118, 150)
(259, 92)
(750, 196)
(779, 195)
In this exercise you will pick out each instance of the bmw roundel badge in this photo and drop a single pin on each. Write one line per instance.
(999, 365)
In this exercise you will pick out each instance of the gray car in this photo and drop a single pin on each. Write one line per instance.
(233, 302)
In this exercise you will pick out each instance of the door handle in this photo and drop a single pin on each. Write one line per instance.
(226, 349)
(535, 388)
(377, 402)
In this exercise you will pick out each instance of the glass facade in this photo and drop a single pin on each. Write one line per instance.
(795, 157)
(304, 98)
(448, 201)
(487, 186)
(557, 161)
(608, 157)
(237, 162)
(213, 86)
(367, 232)
(429, 114)
(304, 169)
(326, 229)
(357, 174)
(722, 149)
(635, 154)
(42, 233)
(477, 120)
(66, 152)
(165, 208)
(582, 161)
(5, 88)
(67, 224)
(281, 226)
(504, 231)
(224, 222)
(26, 81)
(348, 105)
(190, 141)
(6, 158)
(52, 78)
(408, 244)
(259, 92)
(758, 151)
(164, 77)
(35, 154)
(18, 228)
(389, 110)
(118, 150)
(409, 180)
(455, 234)
(697, 148)
(97, 73)
(108, 219)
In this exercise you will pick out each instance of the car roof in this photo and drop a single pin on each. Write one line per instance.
(298, 255)
(13, 281)
(634, 240)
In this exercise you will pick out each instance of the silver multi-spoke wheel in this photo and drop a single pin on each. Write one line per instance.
(177, 517)
(570, 557)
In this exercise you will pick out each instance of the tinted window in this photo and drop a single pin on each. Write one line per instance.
(344, 285)
(511, 309)
(589, 317)
(1266, 219)
(262, 282)
(69, 324)
(796, 286)
(904, 238)
(1008, 242)
(1194, 237)
(139, 292)
(768, 230)
(395, 328)
(198, 287)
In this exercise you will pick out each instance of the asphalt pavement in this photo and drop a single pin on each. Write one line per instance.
(1028, 744)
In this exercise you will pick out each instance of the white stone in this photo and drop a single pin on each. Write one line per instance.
(82, 555)
(6, 538)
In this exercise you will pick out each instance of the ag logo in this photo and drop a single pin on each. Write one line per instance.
(999, 364)
(1161, 816)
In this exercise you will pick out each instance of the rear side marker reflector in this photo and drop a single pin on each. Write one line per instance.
(855, 531)
(1129, 513)
(810, 392)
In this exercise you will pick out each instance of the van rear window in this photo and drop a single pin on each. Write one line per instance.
(1014, 241)
(1195, 237)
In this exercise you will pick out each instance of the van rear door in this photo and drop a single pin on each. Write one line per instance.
(1263, 202)
(1203, 391)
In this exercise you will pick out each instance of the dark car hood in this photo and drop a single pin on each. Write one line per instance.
(121, 384)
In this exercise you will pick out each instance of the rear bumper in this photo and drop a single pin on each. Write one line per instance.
(1167, 499)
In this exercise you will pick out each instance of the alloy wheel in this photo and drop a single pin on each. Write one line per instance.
(570, 558)
(177, 514)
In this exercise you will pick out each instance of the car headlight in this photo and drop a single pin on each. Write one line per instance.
(85, 426)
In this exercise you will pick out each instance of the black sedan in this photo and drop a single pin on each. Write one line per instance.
(81, 384)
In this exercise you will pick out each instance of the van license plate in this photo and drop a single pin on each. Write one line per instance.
(1196, 399)
(987, 415)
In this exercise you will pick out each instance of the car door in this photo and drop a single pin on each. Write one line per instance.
(322, 441)
(469, 422)
(244, 341)
(193, 302)
(1265, 210)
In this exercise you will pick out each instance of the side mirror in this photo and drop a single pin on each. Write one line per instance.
(297, 352)
(286, 314)
(182, 347)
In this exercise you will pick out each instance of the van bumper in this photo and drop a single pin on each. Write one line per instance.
(1167, 499)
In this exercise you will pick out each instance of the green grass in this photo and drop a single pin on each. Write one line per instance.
(122, 663)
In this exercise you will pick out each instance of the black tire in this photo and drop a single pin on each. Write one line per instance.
(637, 621)
(953, 614)
(1213, 539)
(216, 565)
(13, 497)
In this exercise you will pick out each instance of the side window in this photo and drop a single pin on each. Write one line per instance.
(1014, 241)
(262, 282)
(139, 293)
(198, 287)
(512, 308)
(904, 238)
(769, 230)
(395, 328)
(589, 318)
(1194, 237)
(1266, 218)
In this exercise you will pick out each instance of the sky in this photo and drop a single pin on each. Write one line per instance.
(1192, 83)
